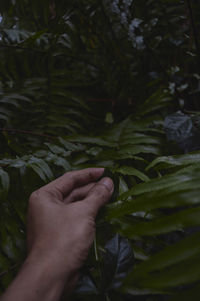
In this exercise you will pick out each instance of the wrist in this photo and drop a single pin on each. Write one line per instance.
(36, 280)
(43, 276)
(49, 264)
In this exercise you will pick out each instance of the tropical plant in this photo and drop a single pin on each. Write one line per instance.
(95, 83)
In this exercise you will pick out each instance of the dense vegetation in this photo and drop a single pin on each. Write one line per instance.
(109, 83)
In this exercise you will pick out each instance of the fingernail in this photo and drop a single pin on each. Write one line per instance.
(108, 183)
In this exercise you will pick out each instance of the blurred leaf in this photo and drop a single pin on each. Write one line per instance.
(86, 286)
(116, 262)
(126, 170)
(175, 222)
(172, 161)
(173, 276)
(172, 182)
(187, 294)
(91, 140)
(173, 254)
(5, 181)
(39, 171)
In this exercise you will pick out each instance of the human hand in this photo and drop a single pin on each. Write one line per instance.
(61, 219)
(61, 229)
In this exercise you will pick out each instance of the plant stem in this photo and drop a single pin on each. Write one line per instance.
(192, 21)
(25, 132)
(95, 249)
(107, 297)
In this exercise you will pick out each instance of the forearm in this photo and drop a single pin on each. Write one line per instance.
(37, 280)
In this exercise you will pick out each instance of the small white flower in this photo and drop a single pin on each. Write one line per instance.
(174, 69)
(114, 7)
(154, 21)
(182, 87)
(172, 87)
(124, 19)
(135, 23)
(138, 42)
(127, 2)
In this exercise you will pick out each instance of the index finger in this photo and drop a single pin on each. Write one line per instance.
(73, 179)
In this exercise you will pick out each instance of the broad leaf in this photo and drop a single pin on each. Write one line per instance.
(116, 262)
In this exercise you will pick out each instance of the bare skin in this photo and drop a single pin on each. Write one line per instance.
(61, 229)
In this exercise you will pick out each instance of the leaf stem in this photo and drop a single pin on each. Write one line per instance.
(194, 29)
(25, 132)
(95, 249)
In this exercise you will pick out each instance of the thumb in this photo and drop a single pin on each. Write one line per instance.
(99, 195)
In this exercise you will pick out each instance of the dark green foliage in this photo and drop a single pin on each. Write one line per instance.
(86, 83)
(113, 265)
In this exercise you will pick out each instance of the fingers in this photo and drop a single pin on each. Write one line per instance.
(99, 195)
(79, 193)
(71, 180)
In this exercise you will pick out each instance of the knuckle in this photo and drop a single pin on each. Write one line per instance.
(72, 178)
(70, 174)
(52, 194)
(35, 197)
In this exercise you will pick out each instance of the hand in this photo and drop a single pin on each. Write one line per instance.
(61, 218)
(61, 229)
